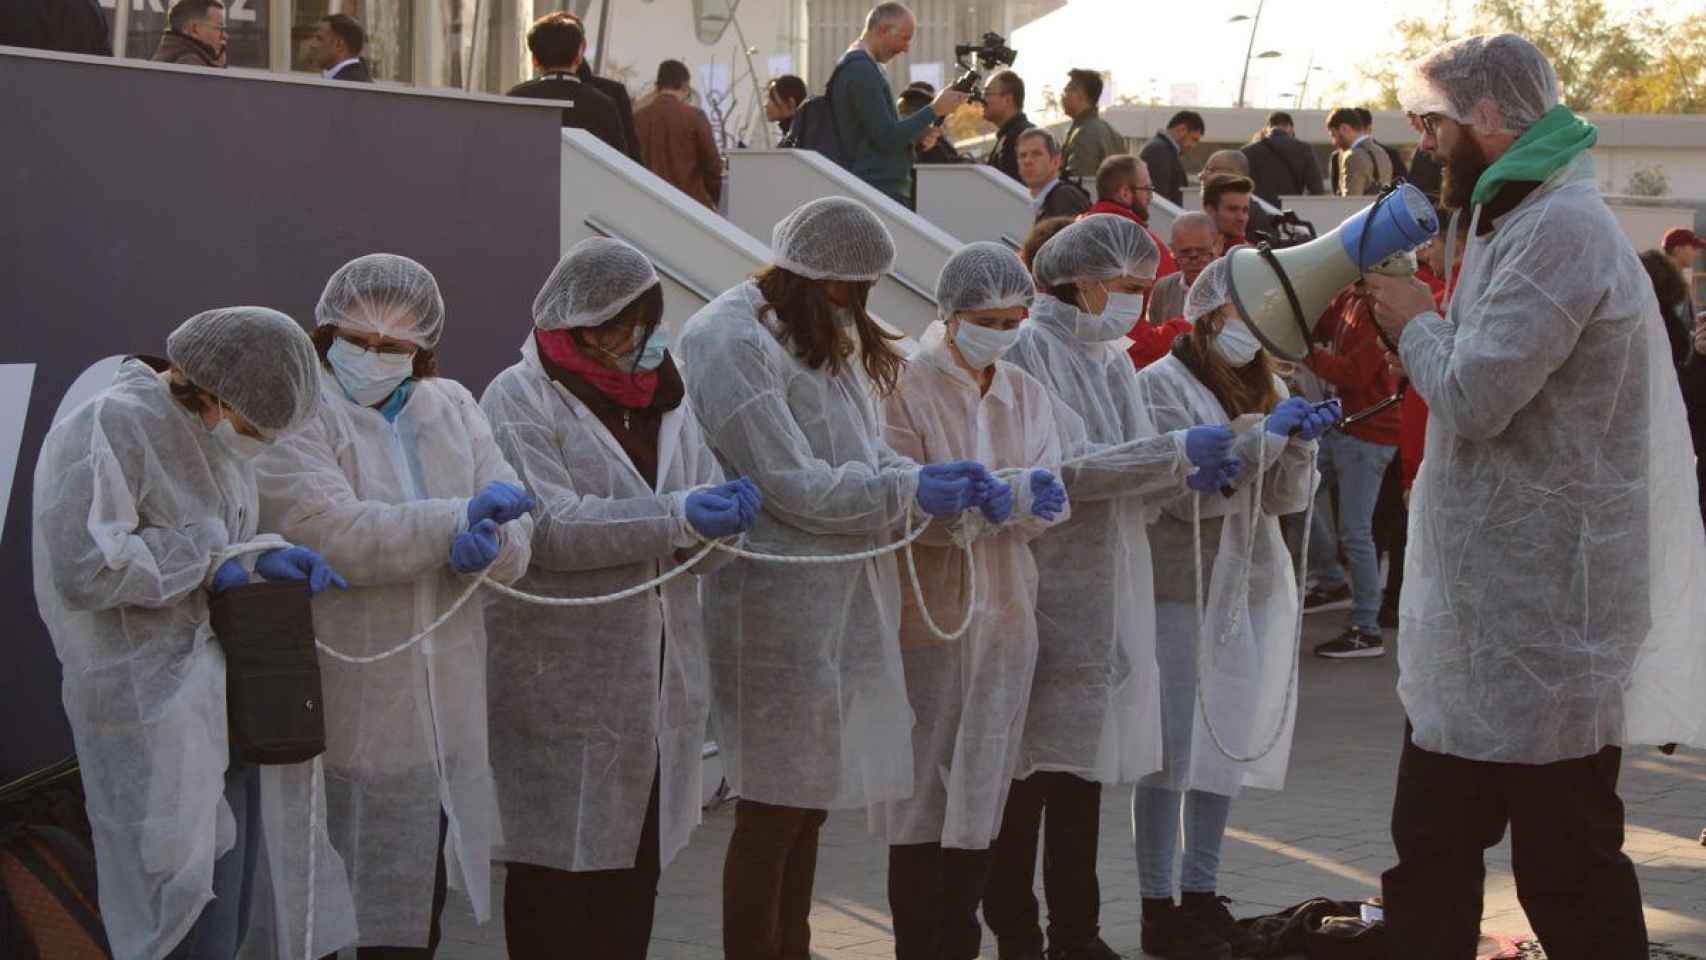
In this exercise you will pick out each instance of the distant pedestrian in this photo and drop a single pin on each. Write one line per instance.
(337, 45)
(558, 44)
(195, 34)
(676, 139)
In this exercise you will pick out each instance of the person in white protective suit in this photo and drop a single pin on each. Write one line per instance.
(1556, 572)
(1094, 715)
(397, 481)
(1238, 652)
(145, 507)
(957, 398)
(785, 372)
(598, 712)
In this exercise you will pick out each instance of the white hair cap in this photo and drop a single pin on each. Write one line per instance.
(833, 238)
(387, 294)
(983, 276)
(595, 281)
(1499, 83)
(1099, 247)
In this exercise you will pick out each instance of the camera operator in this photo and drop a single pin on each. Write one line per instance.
(1004, 106)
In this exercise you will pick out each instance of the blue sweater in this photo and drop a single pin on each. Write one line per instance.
(877, 139)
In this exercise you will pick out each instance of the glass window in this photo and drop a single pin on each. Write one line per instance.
(390, 26)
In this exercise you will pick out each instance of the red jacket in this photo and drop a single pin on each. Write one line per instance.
(1354, 361)
(1413, 423)
(1149, 343)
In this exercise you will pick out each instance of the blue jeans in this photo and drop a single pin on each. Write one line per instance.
(1155, 831)
(219, 930)
(1358, 466)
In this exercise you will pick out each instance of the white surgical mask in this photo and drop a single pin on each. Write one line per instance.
(1118, 316)
(1235, 342)
(368, 377)
(980, 347)
(236, 445)
(651, 355)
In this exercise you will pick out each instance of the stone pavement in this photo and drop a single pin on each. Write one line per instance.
(1324, 835)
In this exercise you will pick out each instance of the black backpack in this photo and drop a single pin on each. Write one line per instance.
(814, 125)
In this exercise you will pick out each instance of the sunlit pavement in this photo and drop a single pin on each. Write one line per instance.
(1324, 835)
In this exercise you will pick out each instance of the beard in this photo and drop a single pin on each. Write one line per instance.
(1463, 168)
(1139, 208)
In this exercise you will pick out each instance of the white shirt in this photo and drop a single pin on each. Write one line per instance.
(1039, 197)
(332, 71)
(1358, 141)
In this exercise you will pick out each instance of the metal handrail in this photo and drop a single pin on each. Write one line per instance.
(915, 288)
(662, 266)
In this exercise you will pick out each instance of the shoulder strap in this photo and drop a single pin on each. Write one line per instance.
(27, 852)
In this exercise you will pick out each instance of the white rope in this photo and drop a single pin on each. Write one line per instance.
(313, 848)
(1240, 608)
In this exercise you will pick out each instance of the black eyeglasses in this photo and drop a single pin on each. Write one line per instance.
(1426, 123)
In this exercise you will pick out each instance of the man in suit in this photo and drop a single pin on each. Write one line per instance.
(1281, 164)
(676, 138)
(1164, 153)
(617, 91)
(1364, 166)
(1004, 106)
(336, 47)
(1039, 159)
(558, 45)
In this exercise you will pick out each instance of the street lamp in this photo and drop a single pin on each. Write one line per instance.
(1249, 50)
(1304, 86)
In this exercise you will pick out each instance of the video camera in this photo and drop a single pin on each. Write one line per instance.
(991, 52)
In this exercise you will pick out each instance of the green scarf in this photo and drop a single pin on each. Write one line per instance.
(1538, 153)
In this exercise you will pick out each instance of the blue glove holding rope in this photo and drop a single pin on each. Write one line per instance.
(1288, 416)
(474, 549)
(750, 500)
(947, 489)
(1210, 479)
(230, 574)
(716, 512)
(1208, 446)
(299, 563)
(998, 505)
(1048, 497)
(1323, 416)
(500, 502)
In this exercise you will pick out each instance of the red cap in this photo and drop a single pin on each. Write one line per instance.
(1681, 237)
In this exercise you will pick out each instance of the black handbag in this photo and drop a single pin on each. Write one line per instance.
(272, 672)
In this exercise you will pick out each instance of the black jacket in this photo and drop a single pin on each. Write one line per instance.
(356, 72)
(70, 26)
(586, 108)
(617, 91)
(1166, 166)
(1064, 199)
(1282, 164)
(1004, 156)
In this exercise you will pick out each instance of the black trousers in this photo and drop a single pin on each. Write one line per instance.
(439, 884)
(1391, 530)
(551, 913)
(1069, 863)
(767, 882)
(933, 897)
(1566, 823)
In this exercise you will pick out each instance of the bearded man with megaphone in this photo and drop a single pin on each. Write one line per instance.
(1553, 588)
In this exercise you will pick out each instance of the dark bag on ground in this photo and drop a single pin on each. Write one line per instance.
(272, 672)
(48, 890)
(1320, 929)
(813, 126)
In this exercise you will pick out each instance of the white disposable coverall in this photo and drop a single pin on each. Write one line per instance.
(1555, 579)
(1250, 598)
(1095, 702)
(405, 736)
(805, 659)
(134, 502)
(581, 718)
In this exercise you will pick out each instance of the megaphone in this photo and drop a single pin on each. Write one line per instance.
(1279, 294)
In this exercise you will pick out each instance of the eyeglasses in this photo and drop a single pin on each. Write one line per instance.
(1426, 123)
(1146, 188)
(394, 349)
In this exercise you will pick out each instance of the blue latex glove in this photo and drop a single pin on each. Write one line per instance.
(1211, 479)
(998, 505)
(946, 489)
(715, 512)
(499, 502)
(474, 549)
(1048, 497)
(751, 501)
(230, 574)
(299, 563)
(1323, 416)
(1288, 416)
(1208, 446)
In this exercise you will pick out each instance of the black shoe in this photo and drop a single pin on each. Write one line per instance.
(1334, 598)
(1177, 935)
(1216, 917)
(1094, 950)
(1353, 644)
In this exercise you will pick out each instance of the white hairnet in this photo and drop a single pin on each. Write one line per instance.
(256, 360)
(1462, 79)
(1212, 291)
(832, 238)
(593, 282)
(1098, 247)
(387, 294)
(983, 276)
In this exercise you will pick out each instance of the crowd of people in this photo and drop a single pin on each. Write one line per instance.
(534, 606)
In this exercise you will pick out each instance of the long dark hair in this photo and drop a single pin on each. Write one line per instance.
(426, 361)
(808, 325)
(1240, 390)
(644, 311)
